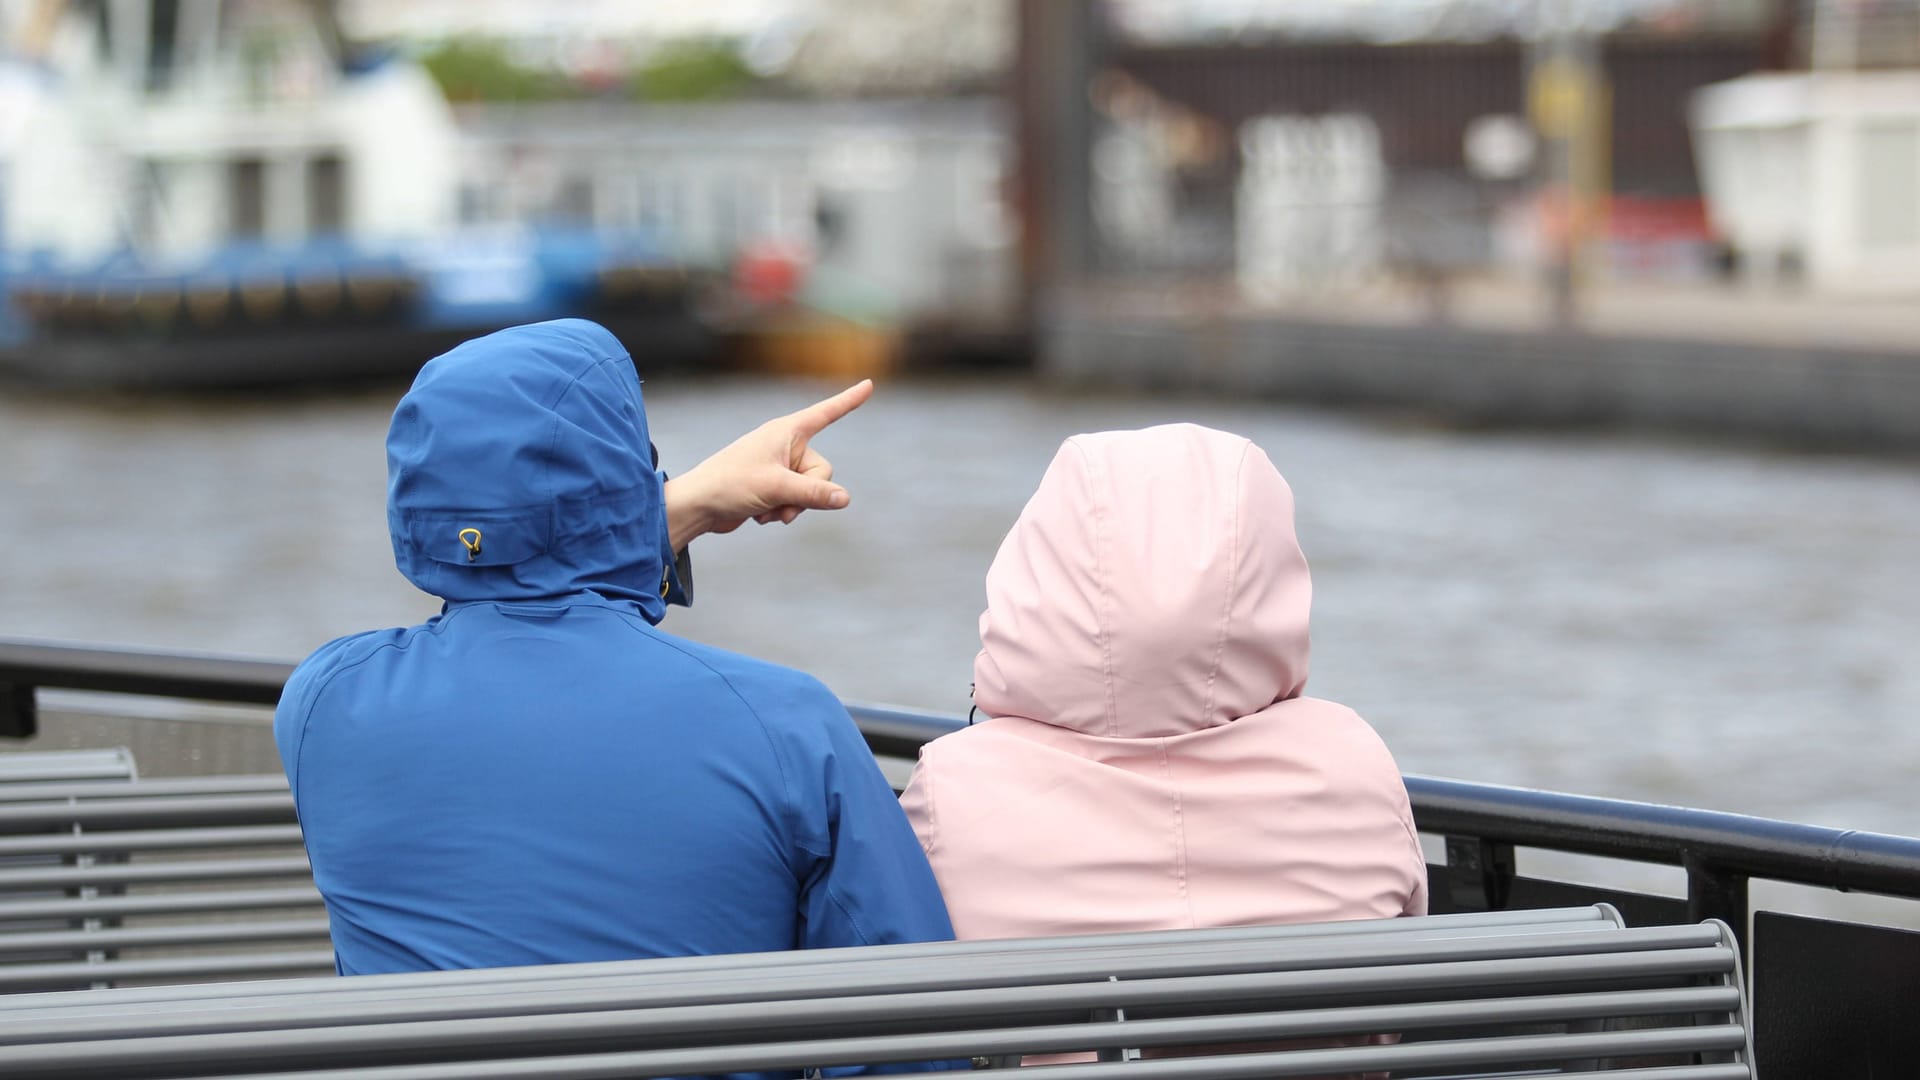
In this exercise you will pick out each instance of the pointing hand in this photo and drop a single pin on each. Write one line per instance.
(771, 473)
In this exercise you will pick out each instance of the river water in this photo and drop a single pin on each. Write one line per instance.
(1608, 614)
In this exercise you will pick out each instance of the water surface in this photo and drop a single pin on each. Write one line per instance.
(1707, 625)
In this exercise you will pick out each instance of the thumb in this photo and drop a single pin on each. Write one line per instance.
(811, 493)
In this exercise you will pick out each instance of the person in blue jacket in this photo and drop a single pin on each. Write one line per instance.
(540, 774)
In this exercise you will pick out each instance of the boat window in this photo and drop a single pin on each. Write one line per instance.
(326, 195)
(247, 198)
(575, 201)
(102, 31)
(146, 208)
(163, 27)
(472, 208)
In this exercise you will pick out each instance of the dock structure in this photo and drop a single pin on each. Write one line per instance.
(1502, 231)
(1702, 361)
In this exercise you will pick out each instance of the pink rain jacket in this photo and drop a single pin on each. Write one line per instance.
(1151, 762)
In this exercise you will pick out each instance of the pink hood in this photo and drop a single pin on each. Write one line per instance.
(1152, 586)
(1151, 762)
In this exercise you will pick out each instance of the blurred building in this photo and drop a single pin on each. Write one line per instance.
(868, 159)
(175, 127)
(1296, 148)
(1454, 208)
(1815, 174)
(1243, 134)
(885, 211)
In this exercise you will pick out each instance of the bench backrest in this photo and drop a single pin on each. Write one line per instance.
(1573, 993)
(118, 882)
(52, 776)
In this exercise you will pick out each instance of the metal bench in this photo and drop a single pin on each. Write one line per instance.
(1568, 993)
(116, 882)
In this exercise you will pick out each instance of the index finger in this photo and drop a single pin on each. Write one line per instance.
(813, 419)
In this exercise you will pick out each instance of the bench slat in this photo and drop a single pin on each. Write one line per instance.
(184, 811)
(64, 767)
(59, 976)
(533, 1071)
(136, 840)
(167, 937)
(111, 875)
(128, 789)
(184, 903)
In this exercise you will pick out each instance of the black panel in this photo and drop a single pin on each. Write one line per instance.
(1525, 893)
(19, 715)
(1833, 999)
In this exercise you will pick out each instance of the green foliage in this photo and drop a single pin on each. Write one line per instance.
(692, 71)
(477, 70)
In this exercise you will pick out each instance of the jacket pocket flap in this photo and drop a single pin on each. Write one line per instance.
(480, 538)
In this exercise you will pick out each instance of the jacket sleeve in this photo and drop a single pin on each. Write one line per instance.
(870, 883)
(297, 699)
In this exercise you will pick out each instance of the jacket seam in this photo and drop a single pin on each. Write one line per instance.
(1233, 578)
(1106, 594)
(1179, 831)
(553, 423)
(313, 699)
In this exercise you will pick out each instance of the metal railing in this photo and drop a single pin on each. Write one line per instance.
(1482, 823)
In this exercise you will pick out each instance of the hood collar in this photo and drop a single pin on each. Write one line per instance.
(519, 468)
(1151, 587)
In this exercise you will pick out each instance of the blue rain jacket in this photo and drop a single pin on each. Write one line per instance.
(540, 774)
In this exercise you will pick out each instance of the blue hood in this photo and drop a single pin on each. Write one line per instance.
(519, 468)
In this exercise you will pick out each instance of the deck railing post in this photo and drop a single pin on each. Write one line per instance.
(1713, 893)
(1480, 873)
(19, 716)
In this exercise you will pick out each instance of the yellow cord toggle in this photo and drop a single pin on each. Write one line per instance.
(471, 539)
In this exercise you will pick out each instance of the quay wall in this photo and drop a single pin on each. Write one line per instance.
(1825, 397)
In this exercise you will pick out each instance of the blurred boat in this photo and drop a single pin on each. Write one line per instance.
(225, 192)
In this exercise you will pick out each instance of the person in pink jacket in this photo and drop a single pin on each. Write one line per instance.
(1150, 760)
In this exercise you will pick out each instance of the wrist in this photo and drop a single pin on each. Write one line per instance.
(689, 509)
